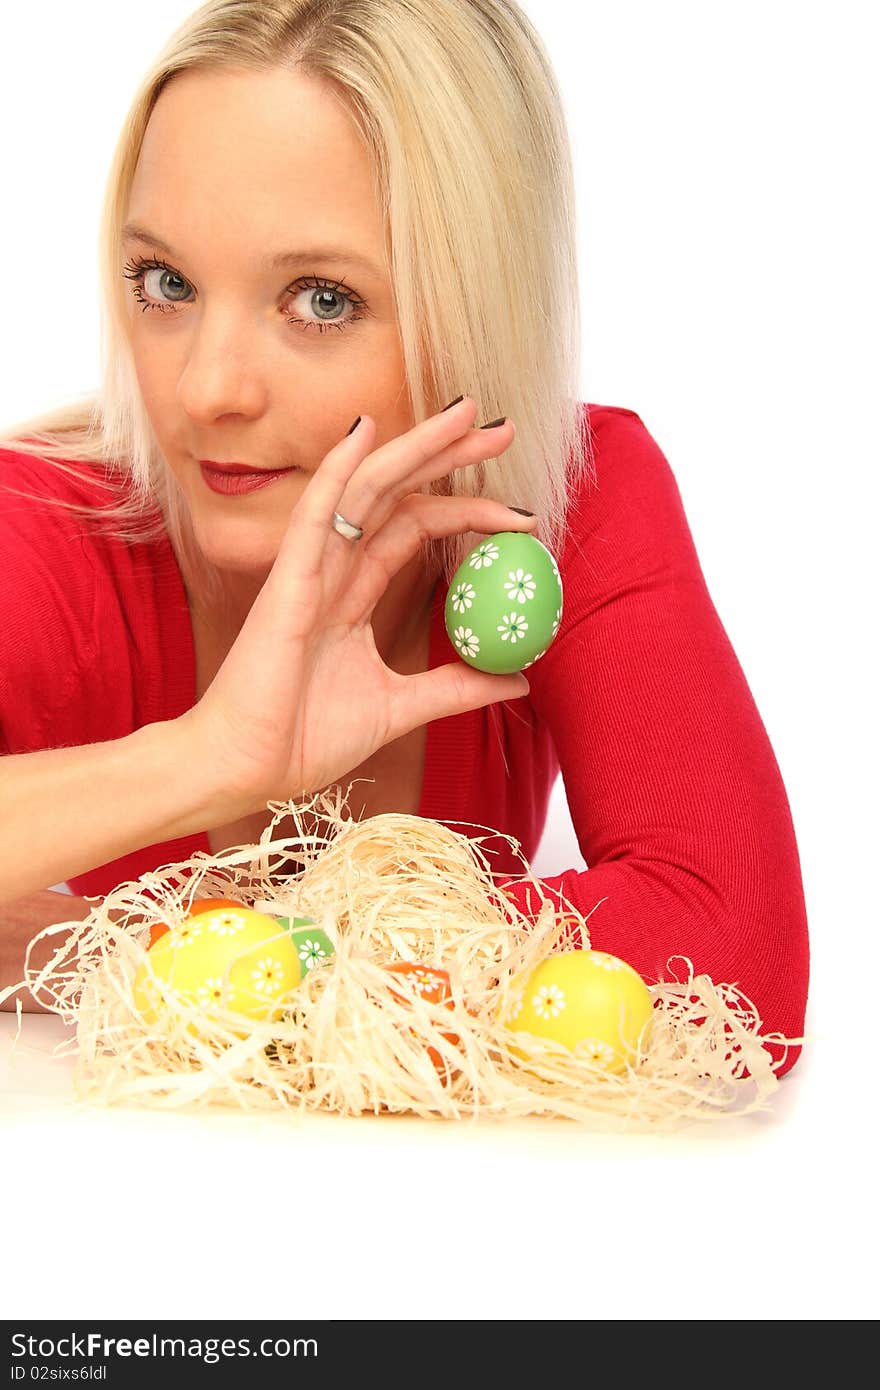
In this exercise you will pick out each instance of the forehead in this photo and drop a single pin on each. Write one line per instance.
(262, 155)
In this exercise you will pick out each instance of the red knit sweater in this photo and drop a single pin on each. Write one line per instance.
(640, 702)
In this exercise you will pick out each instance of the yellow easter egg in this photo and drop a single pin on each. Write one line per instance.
(591, 1002)
(232, 957)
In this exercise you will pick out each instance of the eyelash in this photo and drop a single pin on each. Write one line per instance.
(136, 269)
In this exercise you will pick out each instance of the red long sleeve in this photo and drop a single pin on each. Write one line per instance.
(674, 790)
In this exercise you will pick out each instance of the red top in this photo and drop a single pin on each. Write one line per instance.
(673, 788)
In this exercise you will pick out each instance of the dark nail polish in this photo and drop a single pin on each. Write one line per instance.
(521, 511)
(452, 403)
(354, 427)
(492, 423)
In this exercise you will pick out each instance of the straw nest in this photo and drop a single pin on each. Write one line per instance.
(389, 888)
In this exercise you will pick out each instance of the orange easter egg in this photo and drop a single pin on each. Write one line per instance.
(204, 905)
(431, 983)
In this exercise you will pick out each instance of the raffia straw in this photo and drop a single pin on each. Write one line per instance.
(387, 888)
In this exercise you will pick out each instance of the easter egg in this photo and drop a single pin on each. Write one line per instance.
(504, 603)
(431, 983)
(592, 1002)
(203, 905)
(313, 946)
(233, 957)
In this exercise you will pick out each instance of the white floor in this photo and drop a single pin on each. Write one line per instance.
(526, 1218)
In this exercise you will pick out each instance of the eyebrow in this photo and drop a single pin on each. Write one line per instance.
(133, 231)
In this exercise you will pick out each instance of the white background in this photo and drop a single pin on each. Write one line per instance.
(726, 172)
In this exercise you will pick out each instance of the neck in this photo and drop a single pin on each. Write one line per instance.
(399, 619)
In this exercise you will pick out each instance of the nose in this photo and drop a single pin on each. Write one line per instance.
(223, 373)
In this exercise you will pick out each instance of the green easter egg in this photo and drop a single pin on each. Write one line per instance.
(504, 604)
(313, 946)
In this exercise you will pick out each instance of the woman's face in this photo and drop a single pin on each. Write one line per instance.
(240, 360)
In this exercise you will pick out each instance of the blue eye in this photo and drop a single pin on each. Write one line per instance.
(325, 296)
(321, 300)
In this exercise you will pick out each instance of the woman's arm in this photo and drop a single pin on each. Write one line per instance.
(20, 922)
(675, 794)
(65, 810)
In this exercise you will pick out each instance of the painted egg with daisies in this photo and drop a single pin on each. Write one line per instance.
(504, 604)
(231, 958)
(592, 1002)
(200, 905)
(313, 946)
(431, 983)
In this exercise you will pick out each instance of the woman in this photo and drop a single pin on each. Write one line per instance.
(319, 212)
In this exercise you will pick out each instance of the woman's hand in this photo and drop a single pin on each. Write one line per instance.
(303, 696)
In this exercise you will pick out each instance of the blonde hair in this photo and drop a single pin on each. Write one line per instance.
(459, 107)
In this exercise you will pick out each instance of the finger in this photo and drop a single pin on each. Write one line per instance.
(419, 518)
(394, 463)
(306, 538)
(379, 499)
(446, 690)
(474, 447)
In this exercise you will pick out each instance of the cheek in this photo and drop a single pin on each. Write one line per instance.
(380, 389)
(324, 400)
(156, 376)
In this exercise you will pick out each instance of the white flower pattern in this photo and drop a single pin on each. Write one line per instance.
(463, 596)
(423, 981)
(515, 1004)
(596, 1050)
(467, 641)
(520, 586)
(186, 933)
(606, 962)
(514, 627)
(225, 923)
(485, 555)
(310, 952)
(212, 990)
(549, 1001)
(267, 977)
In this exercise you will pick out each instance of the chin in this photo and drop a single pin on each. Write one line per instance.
(236, 547)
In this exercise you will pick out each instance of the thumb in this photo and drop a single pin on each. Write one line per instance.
(454, 689)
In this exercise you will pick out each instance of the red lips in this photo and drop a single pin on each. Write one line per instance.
(238, 467)
(232, 483)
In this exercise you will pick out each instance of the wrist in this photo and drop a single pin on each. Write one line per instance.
(209, 796)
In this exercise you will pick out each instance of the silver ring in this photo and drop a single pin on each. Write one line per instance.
(346, 528)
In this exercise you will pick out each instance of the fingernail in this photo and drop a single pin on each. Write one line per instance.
(492, 423)
(354, 427)
(521, 511)
(452, 403)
